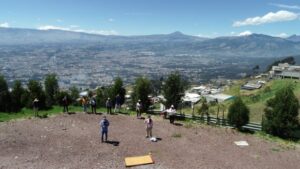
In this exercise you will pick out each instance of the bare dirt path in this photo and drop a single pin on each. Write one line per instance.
(72, 141)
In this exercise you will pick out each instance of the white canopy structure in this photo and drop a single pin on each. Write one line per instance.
(219, 97)
(191, 97)
(84, 93)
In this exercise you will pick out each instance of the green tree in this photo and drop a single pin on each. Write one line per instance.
(141, 91)
(173, 89)
(16, 95)
(51, 89)
(5, 98)
(238, 113)
(102, 94)
(35, 90)
(281, 113)
(116, 89)
(204, 109)
(74, 95)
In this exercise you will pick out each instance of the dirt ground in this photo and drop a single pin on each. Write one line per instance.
(72, 141)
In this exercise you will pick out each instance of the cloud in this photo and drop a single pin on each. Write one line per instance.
(73, 29)
(282, 35)
(245, 33)
(51, 27)
(270, 17)
(111, 20)
(285, 6)
(4, 25)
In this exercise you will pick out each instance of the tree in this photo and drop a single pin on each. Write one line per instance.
(141, 91)
(238, 113)
(255, 69)
(204, 109)
(51, 89)
(16, 95)
(5, 98)
(118, 88)
(290, 60)
(173, 89)
(102, 94)
(74, 95)
(35, 90)
(281, 113)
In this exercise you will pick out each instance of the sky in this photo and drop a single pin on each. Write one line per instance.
(207, 18)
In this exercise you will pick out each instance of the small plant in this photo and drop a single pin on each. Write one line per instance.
(43, 116)
(176, 135)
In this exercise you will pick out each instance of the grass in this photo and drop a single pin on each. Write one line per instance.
(176, 135)
(29, 113)
(26, 113)
(255, 99)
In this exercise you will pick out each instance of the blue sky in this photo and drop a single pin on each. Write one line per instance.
(208, 18)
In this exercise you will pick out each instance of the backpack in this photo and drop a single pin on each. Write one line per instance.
(93, 102)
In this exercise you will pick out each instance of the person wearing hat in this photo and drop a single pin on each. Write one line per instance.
(104, 123)
(35, 105)
(149, 126)
(138, 109)
(108, 105)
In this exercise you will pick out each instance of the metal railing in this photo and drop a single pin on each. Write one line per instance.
(214, 120)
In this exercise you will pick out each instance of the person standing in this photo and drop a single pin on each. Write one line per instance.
(149, 126)
(171, 112)
(104, 123)
(117, 104)
(84, 104)
(93, 105)
(108, 105)
(138, 109)
(65, 104)
(35, 105)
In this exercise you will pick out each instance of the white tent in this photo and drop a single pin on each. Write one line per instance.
(219, 97)
(191, 97)
(84, 93)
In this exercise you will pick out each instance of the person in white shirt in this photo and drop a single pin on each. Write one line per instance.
(149, 126)
(171, 112)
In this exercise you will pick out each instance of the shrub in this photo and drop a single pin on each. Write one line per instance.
(238, 113)
(281, 114)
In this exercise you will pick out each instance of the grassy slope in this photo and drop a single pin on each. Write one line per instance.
(255, 99)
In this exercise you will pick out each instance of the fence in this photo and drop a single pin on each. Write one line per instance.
(215, 120)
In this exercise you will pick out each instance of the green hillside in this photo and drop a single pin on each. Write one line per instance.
(256, 99)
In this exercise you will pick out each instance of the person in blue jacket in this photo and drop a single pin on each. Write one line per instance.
(104, 123)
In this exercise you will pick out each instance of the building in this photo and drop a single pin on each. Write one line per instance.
(284, 70)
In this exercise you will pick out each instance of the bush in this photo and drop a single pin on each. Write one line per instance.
(238, 113)
(281, 114)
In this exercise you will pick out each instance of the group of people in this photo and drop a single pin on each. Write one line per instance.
(104, 124)
(85, 102)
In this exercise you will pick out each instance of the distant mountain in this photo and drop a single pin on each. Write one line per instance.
(255, 45)
(294, 38)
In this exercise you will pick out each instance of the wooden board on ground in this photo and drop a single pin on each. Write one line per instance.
(139, 160)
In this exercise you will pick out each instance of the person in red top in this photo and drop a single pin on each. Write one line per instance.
(149, 126)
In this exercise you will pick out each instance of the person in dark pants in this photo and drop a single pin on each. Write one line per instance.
(171, 111)
(104, 123)
(35, 106)
(108, 105)
(93, 105)
(65, 104)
